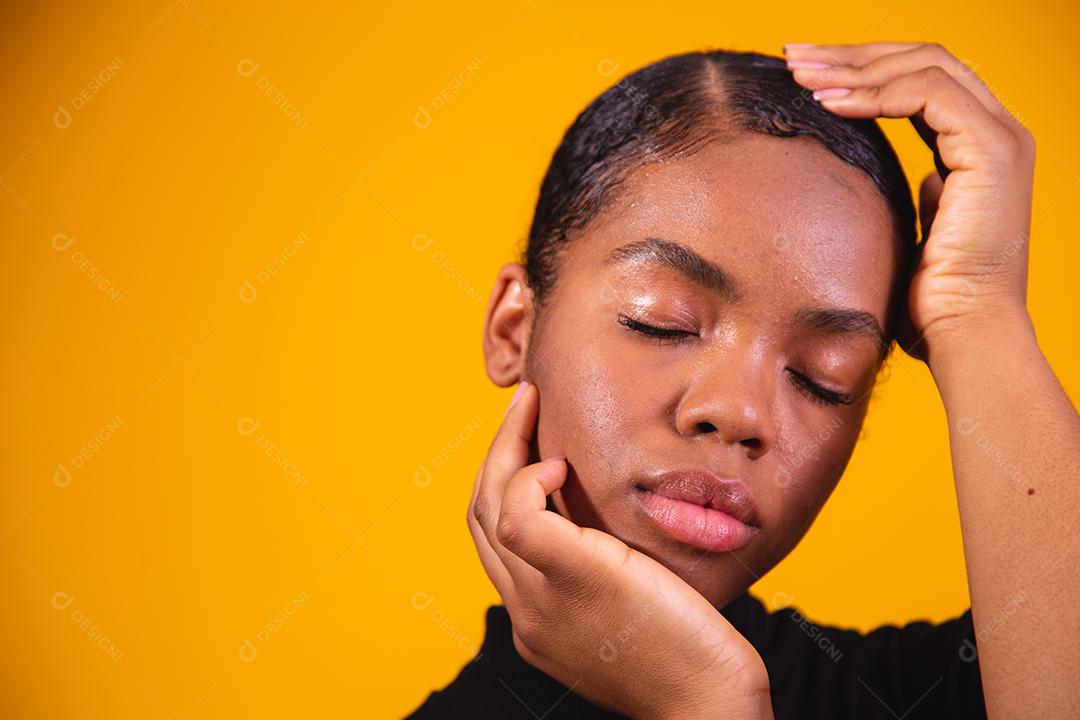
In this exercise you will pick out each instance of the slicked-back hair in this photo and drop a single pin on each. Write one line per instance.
(671, 108)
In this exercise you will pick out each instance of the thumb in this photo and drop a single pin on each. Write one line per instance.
(929, 197)
(541, 538)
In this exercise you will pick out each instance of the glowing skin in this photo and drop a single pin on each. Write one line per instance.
(794, 227)
(731, 394)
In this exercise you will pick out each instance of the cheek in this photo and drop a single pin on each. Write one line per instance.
(587, 413)
(598, 410)
(809, 471)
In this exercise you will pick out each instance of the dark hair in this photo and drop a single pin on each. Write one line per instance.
(671, 108)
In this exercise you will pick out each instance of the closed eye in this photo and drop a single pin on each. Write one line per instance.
(817, 393)
(662, 335)
(670, 336)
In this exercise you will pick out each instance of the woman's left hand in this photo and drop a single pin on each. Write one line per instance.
(976, 208)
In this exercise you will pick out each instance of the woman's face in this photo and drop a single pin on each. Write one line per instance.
(767, 264)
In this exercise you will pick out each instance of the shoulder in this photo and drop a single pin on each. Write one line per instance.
(918, 669)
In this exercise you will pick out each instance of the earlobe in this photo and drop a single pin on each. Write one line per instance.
(508, 326)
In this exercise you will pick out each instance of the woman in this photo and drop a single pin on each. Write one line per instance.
(718, 266)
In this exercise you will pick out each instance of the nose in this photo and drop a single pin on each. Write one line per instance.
(729, 400)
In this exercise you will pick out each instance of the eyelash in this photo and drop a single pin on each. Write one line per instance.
(818, 394)
(674, 336)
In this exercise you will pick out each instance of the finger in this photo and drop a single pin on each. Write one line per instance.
(869, 64)
(476, 484)
(846, 54)
(929, 196)
(547, 541)
(508, 454)
(493, 565)
(527, 528)
(876, 72)
(951, 110)
(911, 342)
(487, 489)
(879, 69)
(509, 450)
(479, 510)
(908, 338)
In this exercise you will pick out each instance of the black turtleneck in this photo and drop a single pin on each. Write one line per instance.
(919, 670)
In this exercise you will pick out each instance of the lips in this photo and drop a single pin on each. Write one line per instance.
(697, 508)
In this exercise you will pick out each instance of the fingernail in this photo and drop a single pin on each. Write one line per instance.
(830, 93)
(807, 64)
(555, 457)
(797, 46)
(517, 394)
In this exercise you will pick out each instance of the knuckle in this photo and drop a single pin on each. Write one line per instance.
(508, 528)
(938, 51)
(475, 528)
(1016, 146)
(478, 511)
(523, 647)
(837, 76)
(966, 67)
(806, 77)
(529, 631)
(936, 75)
(1027, 140)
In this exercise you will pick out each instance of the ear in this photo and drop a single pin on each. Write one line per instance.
(508, 326)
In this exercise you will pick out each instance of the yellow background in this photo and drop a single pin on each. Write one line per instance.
(244, 288)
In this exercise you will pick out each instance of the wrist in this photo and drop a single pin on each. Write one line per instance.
(975, 335)
(754, 707)
(750, 700)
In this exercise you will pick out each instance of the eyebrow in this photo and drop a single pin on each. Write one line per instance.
(843, 320)
(712, 277)
(705, 273)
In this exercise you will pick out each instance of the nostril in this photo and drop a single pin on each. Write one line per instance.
(752, 443)
(706, 427)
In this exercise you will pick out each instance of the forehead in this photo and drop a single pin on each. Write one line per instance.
(782, 215)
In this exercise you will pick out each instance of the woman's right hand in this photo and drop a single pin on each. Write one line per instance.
(610, 623)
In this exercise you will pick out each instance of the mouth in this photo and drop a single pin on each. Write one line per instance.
(699, 509)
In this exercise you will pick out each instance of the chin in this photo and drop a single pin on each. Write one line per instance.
(719, 577)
